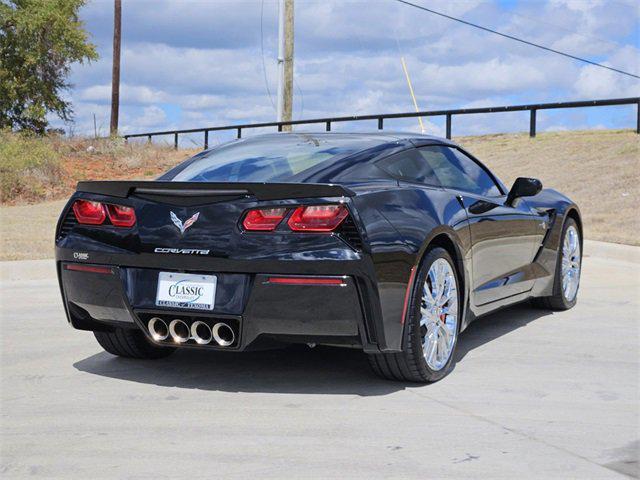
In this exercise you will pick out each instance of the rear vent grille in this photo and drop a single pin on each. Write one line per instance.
(67, 224)
(349, 233)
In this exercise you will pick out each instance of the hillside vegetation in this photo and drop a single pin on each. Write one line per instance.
(36, 169)
(599, 170)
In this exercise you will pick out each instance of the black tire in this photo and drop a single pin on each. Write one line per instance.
(557, 301)
(410, 364)
(131, 343)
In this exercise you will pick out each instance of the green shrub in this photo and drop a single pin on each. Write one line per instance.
(29, 167)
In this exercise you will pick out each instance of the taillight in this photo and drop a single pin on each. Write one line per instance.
(317, 218)
(121, 216)
(89, 212)
(263, 219)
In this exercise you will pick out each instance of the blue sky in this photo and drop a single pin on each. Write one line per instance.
(188, 63)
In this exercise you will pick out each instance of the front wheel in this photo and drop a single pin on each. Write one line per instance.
(567, 276)
(431, 332)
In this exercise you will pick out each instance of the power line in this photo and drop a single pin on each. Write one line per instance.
(526, 42)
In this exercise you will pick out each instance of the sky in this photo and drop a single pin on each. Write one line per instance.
(191, 64)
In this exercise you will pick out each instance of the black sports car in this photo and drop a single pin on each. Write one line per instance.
(392, 243)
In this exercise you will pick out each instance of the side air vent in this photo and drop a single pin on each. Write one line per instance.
(349, 233)
(67, 224)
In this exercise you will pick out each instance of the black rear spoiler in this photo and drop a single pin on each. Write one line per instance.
(262, 191)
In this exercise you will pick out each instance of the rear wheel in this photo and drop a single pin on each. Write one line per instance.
(131, 343)
(567, 276)
(431, 332)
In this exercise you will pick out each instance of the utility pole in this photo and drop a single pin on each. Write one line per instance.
(285, 62)
(115, 73)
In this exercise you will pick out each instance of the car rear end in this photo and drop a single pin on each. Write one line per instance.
(216, 265)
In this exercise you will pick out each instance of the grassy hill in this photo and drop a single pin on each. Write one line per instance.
(599, 169)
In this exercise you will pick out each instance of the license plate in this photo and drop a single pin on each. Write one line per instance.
(186, 290)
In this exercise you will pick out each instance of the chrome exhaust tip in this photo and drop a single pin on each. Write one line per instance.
(223, 334)
(158, 329)
(179, 331)
(201, 333)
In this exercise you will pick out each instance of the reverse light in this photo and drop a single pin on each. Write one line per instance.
(121, 216)
(317, 218)
(89, 212)
(263, 219)
(76, 267)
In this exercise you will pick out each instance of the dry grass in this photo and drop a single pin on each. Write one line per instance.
(599, 170)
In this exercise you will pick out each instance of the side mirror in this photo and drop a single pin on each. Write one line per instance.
(524, 187)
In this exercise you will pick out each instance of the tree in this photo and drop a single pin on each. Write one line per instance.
(39, 41)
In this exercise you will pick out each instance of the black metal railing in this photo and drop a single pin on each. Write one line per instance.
(448, 114)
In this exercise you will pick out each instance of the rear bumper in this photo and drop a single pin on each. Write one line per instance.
(259, 306)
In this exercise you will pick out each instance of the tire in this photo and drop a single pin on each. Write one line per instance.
(559, 301)
(411, 364)
(131, 343)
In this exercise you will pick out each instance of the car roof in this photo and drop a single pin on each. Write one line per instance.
(372, 137)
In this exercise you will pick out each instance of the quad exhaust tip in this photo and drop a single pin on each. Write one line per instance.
(158, 329)
(223, 334)
(199, 331)
(179, 331)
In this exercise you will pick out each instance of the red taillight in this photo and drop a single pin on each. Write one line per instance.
(89, 212)
(317, 218)
(121, 216)
(307, 281)
(263, 219)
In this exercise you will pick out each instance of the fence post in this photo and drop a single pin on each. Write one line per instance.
(448, 126)
(532, 123)
(206, 139)
(175, 141)
(239, 133)
(148, 138)
(638, 119)
(380, 120)
(328, 127)
(126, 140)
(279, 127)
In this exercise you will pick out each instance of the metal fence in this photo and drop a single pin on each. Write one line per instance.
(448, 114)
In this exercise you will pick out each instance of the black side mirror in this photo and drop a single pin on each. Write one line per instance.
(524, 187)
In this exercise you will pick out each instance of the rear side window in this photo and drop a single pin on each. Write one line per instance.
(454, 169)
(410, 167)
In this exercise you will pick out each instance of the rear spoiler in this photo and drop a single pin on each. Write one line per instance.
(262, 191)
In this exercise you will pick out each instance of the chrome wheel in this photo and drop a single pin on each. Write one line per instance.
(439, 314)
(570, 263)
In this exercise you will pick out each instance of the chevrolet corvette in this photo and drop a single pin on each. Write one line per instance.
(389, 243)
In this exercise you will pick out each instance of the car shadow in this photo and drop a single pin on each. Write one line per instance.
(296, 369)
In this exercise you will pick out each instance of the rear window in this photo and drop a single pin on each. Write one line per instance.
(270, 158)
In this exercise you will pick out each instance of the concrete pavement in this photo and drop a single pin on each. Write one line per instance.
(534, 394)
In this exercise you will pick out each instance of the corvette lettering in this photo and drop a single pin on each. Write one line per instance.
(182, 251)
